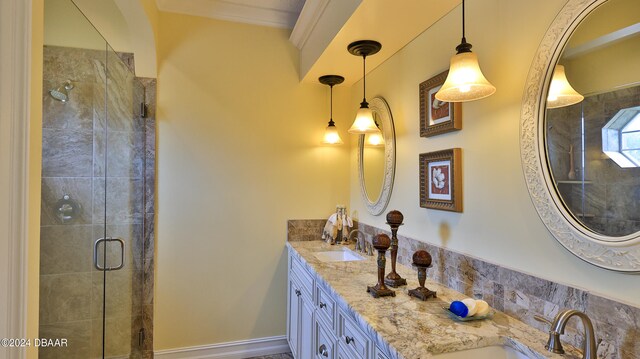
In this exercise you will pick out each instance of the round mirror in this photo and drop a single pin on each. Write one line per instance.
(580, 131)
(376, 159)
(373, 161)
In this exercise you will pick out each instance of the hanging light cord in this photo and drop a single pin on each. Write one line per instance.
(463, 37)
(464, 45)
(331, 106)
(364, 102)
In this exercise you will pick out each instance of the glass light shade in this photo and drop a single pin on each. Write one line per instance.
(465, 81)
(375, 139)
(331, 136)
(561, 93)
(364, 122)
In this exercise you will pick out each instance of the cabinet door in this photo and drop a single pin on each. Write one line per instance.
(306, 329)
(293, 316)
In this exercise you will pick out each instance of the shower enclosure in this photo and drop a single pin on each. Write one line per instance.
(97, 194)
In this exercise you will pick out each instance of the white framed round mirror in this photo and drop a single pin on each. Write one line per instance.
(587, 199)
(377, 159)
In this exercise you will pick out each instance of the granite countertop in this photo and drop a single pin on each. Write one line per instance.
(409, 328)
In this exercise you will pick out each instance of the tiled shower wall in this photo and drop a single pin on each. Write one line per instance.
(517, 294)
(74, 147)
(609, 201)
(149, 218)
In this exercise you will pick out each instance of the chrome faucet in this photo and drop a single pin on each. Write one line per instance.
(589, 348)
(360, 243)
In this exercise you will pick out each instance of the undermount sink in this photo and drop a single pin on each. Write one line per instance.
(342, 255)
(491, 352)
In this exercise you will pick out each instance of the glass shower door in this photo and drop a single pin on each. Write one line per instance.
(119, 187)
(92, 218)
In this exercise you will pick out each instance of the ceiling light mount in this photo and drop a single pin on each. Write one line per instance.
(331, 80)
(364, 47)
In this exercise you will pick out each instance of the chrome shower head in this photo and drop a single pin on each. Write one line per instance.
(61, 93)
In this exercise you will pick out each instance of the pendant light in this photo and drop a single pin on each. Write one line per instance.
(375, 139)
(331, 135)
(561, 93)
(364, 122)
(465, 81)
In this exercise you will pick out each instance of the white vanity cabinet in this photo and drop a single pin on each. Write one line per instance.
(318, 326)
(300, 310)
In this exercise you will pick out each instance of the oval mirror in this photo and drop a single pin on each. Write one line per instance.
(580, 131)
(376, 159)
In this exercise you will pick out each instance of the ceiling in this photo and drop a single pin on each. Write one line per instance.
(323, 48)
(322, 29)
(275, 13)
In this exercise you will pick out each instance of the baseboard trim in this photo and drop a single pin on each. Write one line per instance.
(240, 349)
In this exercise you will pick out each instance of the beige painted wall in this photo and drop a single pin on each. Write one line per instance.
(66, 26)
(129, 26)
(110, 22)
(239, 154)
(499, 223)
(607, 18)
(610, 67)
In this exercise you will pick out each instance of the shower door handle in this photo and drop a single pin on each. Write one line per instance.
(106, 241)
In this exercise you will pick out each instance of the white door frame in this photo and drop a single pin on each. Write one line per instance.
(15, 65)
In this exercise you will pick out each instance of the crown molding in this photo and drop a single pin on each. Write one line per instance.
(602, 41)
(280, 16)
(309, 17)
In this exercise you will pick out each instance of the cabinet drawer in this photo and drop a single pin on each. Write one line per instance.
(353, 336)
(344, 352)
(380, 354)
(304, 277)
(324, 342)
(325, 305)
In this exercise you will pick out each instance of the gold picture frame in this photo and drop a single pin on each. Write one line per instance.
(441, 180)
(437, 117)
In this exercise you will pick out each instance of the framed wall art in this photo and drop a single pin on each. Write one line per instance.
(436, 116)
(441, 180)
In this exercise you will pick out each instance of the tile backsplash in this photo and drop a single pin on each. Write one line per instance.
(517, 294)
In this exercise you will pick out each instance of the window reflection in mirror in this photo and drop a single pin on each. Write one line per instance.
(593, 146)
(621, 138)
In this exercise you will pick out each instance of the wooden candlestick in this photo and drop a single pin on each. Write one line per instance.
(381, 243)
(394, 220)
(422, 260)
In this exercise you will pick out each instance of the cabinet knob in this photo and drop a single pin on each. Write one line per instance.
(298, 293)
(323, 305)
(349, 340)
(323, 351)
